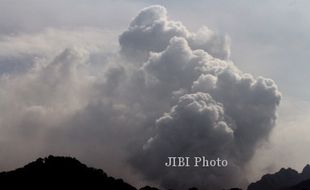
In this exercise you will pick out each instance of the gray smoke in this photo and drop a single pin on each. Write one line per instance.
(151, 31)
(166, 92)
(216, 110)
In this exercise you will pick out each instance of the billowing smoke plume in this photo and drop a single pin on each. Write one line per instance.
(166, 92)
(216, 110)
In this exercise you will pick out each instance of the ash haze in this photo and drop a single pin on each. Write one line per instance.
(125, 91)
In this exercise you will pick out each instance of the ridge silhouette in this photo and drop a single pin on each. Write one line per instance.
(59, 172)
(284, 179)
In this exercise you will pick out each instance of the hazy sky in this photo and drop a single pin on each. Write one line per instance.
(267, 38)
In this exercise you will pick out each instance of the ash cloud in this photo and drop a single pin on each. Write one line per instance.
(216, 109)
(166, 92)
(151, 31)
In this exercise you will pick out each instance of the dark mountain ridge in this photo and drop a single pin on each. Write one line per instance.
(66, 172)
(283, 179)
(60, 172)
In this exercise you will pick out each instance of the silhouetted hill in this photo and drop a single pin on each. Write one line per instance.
(66, 172)
(283, 179)
(60, 173)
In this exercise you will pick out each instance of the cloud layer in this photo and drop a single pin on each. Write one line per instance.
(166, 92)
